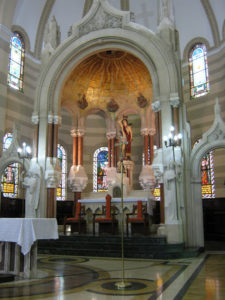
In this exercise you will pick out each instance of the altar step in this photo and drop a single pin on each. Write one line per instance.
(110, 246)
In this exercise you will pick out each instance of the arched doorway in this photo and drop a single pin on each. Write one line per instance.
(213, 139)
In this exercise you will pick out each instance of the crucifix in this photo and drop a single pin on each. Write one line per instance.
(122, 284)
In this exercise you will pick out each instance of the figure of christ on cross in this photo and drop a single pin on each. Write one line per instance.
(126, 138)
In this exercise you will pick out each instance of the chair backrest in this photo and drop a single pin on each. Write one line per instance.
(139, 209)
(78, 207)
(108, 206)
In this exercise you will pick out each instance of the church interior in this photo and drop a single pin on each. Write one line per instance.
(112, 149)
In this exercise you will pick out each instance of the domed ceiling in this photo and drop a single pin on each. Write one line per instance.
(109, 80)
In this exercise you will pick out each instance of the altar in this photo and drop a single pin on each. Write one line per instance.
(18, 243)
(93, 204)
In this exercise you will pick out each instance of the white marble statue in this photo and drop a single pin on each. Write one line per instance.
(32, 183)
(170, 194)
(166, 14)
(51, 39)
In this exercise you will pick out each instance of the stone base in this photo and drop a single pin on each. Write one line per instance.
(174, 233)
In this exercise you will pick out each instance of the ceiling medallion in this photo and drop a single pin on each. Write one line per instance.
(112, 106)
(141, 101)
(82, 103)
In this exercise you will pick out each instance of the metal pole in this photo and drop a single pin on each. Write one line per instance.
(122, 284)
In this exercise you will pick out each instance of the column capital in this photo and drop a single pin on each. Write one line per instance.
(148, 131)
(80, 132)
(35, 118)
(57, 119)
(174, 100)
(50, 118)
(73, 132)
(111, 135)
(156, 106)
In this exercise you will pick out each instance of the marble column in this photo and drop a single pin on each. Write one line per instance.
(175, 103)
(35, 121)
(77, 178)
(53, 171)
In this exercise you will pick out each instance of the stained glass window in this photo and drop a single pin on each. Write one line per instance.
(157, 193)
(207, 176)
(16, 62)
(10, 177)
(61, 190)
(100, 161)
(199, 75)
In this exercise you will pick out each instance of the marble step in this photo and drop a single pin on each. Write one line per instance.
(107, 246)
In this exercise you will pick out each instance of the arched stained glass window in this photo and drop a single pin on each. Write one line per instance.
(16, 62)
(100, 161)
(61, 190)
(10, 177)
(207, 175)
(199, 75)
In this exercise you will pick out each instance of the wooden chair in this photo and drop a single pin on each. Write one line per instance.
(106, 220)
(139, 219)
(77, 223)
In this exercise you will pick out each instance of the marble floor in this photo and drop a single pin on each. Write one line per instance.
(71, 277)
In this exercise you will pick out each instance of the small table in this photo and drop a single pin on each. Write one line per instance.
(18, 243)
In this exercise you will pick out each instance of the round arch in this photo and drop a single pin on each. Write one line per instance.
(142, 44)
(214, 138)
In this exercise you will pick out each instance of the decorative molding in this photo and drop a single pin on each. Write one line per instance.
(100, 16)
(212, 21)
(147, 179)
(156, 106)
(53, 172)
(77, 178)
(101, 20)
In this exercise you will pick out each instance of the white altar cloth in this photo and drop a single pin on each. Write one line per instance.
(114, 200)
(25, 231)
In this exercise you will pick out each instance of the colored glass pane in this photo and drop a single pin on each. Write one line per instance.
(207, 176)
(16, 62)
(198, 65)
(100, 161)
(10, 177)
(156, 193)
(61, 189)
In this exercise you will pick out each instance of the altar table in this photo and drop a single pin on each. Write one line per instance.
(18, 243)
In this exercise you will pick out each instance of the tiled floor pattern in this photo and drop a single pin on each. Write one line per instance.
(70, 277)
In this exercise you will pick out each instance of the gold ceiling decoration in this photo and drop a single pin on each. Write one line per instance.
(105, 76)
